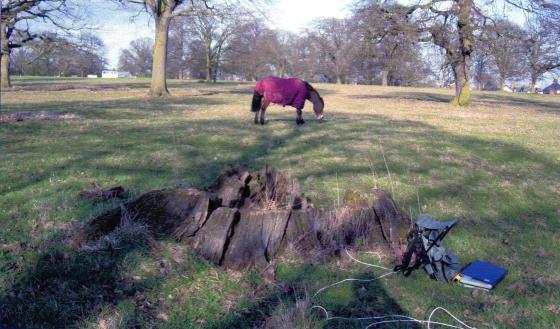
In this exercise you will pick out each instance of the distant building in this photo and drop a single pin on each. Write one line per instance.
(92, 76)
(553, 89)
(116, 74)
(507, 89)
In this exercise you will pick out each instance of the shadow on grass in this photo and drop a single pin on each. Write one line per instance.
(291, 305)
(527, 101)
(117, 109)
(493, 99)
(62, 84)
(65, 287)
(418, 96)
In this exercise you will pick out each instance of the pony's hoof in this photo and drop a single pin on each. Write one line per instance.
(262, 122)
(300, 121)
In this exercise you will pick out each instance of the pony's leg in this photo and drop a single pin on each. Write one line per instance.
(257, 116)
(263, 110)
(299, 118)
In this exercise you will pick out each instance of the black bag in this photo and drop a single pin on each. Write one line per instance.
(426, 247)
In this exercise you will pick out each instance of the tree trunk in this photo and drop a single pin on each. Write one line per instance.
(385, 78)
(533, 82)
(208, 73)
(158, 85)
(208, 62)
(338, 80)
(502, 82)
(462, 85)
(5, 71)
(215, 72)
(5, 60)
(463, 62)
(282, 68)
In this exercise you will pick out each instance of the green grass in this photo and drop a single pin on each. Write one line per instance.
(494, 164)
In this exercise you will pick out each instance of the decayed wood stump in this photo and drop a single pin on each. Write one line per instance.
(245, 219)
(211, 241)
(394, 222)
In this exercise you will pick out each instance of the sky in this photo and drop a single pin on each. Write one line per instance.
(117, 29)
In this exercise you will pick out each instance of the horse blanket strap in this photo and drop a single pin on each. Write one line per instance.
(292, 92)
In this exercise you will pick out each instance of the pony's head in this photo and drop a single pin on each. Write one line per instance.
(317, 100)
(318, 107)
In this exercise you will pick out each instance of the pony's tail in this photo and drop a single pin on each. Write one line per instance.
(256, 103)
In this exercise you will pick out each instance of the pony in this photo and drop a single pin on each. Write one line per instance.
(292, 92)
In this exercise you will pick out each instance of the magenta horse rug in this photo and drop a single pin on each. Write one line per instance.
(292, 92)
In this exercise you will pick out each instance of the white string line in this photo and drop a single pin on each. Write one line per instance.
(416, 321)
(448, 313)
(352, 279)
(367, 264)
(376, 253)
(364, 318)
(403, 318)
(429, 322)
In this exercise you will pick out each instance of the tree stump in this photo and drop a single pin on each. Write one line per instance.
(245, 219)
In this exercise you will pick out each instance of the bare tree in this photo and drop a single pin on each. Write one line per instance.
(15, 26)
(252, 50)
(334, 38)
(501, 44)
(58, 55)
(178, 51)
(383, 47)
(212, 30)
(93, 54)
(449, 24)
(299, 55)
(542, 48)
(542, 38)
(163, 11)
(137, 58)
(283, 45)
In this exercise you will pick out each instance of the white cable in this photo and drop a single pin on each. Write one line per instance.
(429, 322)
(352, 279)
(400, 318)
(357, 319)
(367, 264)
(448, 313)
(416, 321)
(404, 318)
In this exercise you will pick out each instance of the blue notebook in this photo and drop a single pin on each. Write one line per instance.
(485, 272)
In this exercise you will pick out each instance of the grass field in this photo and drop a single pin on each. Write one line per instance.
(495, 165)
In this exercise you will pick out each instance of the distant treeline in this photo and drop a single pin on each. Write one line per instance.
(365, 48)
